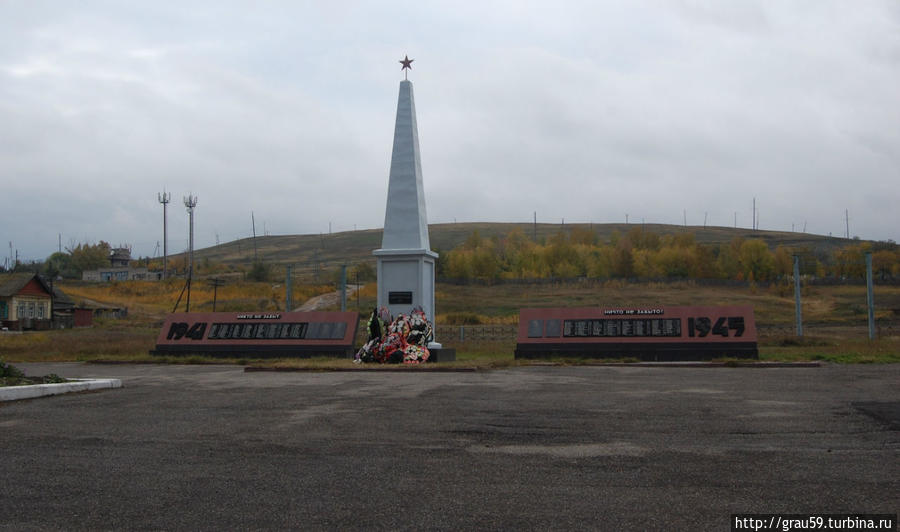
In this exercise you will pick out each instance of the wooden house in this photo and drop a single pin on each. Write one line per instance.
(26, 302)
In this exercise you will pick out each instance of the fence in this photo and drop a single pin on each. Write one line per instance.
(878, 280)
(476, 333)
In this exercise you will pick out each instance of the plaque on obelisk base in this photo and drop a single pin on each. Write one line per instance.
(405, 262)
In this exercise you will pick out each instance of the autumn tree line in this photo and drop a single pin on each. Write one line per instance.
(575, 253)
(71, 263)
(579, 252)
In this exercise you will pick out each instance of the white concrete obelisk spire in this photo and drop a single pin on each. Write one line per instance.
(405, 260)
(405, 220)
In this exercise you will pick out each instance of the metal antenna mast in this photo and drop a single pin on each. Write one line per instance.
(190, 202)
(165, 198)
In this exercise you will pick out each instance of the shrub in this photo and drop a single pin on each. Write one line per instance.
(462, 318)
(10, 371)
(260, 271)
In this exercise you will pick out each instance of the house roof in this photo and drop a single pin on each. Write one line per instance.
(12, 283)
(60, 300)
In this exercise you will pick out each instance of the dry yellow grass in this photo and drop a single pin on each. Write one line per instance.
(834, 316)
(156, 299)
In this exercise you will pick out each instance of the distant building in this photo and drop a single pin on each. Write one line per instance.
(26, 302)
(120, 257)
(66, 315)
(119, 270)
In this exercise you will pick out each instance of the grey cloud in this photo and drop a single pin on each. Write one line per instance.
(584, 111)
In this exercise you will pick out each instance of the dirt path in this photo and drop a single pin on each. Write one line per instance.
(325, 300)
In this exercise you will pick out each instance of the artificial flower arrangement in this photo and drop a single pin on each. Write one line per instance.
(392, 341)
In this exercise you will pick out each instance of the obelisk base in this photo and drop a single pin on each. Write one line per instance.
(406, 280)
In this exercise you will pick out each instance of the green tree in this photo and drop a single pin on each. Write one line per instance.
(623, 259)
(728, 259)
(641, 239)
(580, 235)
(644, 263)
(599, 262)
(885, 262)
(784, 261)
(561, 257)
(459, 263)
(756, 259)
(674, 261)
(850, 261)
(59, 264)
(89, 257)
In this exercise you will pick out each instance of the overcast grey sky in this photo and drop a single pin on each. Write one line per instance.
(577, 110)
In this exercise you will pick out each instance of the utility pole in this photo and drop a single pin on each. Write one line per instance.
(215, 282)
(165, 198)
(847, 220)
(754, 214)
(685, 217)
(870, 296)
(797, 302)
(253, 222)
(289, 290)
(535, 228)
(343, 288)
(190, 202)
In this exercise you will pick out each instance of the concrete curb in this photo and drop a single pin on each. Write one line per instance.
(15, 393)
(371, 368)
(707, 364)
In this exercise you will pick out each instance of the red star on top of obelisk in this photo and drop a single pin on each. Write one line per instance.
(407, 64)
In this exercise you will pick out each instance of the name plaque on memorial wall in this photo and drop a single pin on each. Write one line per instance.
(258, 334)
(646, 333)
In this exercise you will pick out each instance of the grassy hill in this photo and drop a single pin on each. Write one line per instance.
(303, 252)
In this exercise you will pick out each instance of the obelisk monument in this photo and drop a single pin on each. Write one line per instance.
(405, 262)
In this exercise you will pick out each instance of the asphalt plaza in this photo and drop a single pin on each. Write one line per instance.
(637, 448)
